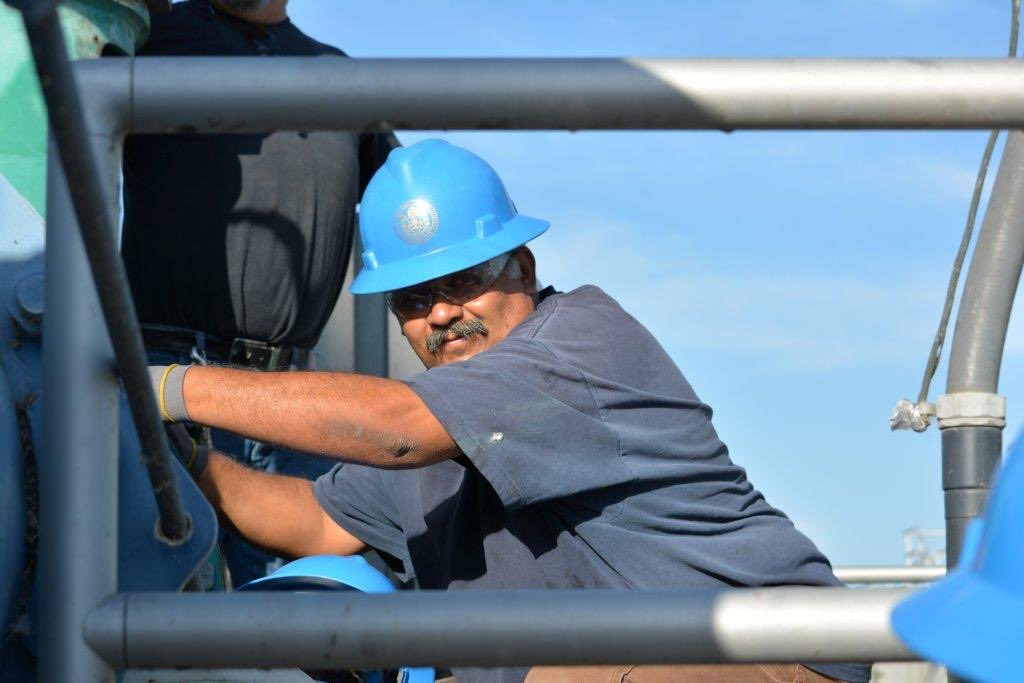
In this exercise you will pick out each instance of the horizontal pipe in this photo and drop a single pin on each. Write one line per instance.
(898, 574)
(230, 94)
(494, 628)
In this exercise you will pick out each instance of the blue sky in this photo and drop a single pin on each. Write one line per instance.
(796, 278)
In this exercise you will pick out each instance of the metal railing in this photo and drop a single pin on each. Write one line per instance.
(495, 628)
(229, 94)
(235, 94)
(897, 574)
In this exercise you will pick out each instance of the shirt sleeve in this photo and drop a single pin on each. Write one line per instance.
(356, 498)
(527, 421)
(373, 152)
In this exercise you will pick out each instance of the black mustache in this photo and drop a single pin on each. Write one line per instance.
(459, 328)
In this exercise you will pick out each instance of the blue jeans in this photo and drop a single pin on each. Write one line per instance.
(246, 562)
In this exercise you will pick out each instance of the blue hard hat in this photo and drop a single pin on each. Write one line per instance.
(326, 571)
(434, 209)
(331, 572)
(971, 620)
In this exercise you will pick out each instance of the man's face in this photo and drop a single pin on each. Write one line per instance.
(452, 332)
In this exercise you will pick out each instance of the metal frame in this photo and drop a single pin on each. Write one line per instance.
(495, 628)
(230, 94)
(79, 481)
(897, 574)
(233, 94)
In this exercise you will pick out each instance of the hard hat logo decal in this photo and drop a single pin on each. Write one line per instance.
(416, 221)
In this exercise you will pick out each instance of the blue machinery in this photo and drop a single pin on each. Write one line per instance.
(90, 609)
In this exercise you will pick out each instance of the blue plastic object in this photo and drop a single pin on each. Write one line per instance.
(431, 210)
(21, 261)
(971, 620)
(331, 572)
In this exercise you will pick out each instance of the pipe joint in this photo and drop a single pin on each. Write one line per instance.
(971, 409)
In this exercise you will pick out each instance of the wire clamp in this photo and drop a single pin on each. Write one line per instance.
(971, 409)
(907, 415)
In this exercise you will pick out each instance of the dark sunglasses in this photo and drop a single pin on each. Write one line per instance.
(457, 288)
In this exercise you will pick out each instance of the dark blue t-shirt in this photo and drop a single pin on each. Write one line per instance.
(589, 463)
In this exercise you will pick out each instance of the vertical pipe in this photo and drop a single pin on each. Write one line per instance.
(370, 333)
(78, 476)
(971, 454)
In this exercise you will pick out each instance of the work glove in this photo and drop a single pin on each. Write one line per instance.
(168, 383)
(192, 455)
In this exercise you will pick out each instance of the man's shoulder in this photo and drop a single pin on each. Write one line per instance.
(564, 312)
(180, 31)
(181, 14)
(194, 27)
(590, 330)
(312, 44)
(584, 297)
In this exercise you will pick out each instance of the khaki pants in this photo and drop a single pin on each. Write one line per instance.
(724, 673)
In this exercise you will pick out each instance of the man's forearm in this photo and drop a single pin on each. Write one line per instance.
(275, 512)
(370, 420)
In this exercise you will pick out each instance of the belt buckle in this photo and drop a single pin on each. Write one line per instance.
(257, 354)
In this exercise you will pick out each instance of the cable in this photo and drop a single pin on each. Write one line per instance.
(972, 214)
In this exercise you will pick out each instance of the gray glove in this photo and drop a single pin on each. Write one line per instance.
(192, 455)
(169, 387)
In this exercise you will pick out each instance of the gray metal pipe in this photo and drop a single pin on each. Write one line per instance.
(232, 94)
(971, 454)
(78, 484)
(494, 628)
(897, 574)
(94, 200)
(369, 327)
(980, 333)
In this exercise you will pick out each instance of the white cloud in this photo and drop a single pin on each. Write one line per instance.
(794, 318)
(922, 177)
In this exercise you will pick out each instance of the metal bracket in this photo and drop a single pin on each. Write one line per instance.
(971, 409)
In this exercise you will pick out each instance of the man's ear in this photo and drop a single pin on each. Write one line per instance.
(528, 266)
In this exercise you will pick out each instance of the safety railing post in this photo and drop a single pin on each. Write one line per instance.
(78, 479)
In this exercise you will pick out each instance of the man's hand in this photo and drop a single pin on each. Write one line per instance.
(193, 456)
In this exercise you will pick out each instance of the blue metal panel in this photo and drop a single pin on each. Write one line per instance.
(21, 247)
(144, 563)
(12, 504)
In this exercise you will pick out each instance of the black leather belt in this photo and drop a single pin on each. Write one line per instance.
(247, 353)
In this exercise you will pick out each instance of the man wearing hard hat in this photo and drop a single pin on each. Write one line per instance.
(551, 442)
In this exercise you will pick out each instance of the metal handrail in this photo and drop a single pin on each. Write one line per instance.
(495, 628)
(230, 94)
(883, 574)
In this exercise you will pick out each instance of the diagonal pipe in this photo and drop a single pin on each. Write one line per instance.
(96, 222)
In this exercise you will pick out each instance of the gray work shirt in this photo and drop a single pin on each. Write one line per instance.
(589, 463)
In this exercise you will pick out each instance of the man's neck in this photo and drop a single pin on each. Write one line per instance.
(274, 13)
